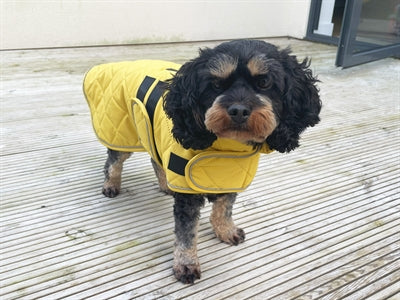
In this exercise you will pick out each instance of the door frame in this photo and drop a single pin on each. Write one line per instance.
(313, 20)
(346, 56)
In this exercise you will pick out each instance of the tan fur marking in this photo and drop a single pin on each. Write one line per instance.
(221, 220)
(162, 178)
(223, 66)
(217, 119)
(114, 173)
(262, 122)
(184, 256)
(258, 65)
(260, 125)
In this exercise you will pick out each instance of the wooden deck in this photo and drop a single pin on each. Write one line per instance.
(322, 222)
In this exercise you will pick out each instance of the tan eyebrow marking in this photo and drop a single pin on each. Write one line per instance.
(222, 66)
(258, 65)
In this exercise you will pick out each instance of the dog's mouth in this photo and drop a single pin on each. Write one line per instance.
(240, 122)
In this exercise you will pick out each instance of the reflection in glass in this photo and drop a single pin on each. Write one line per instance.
(379, 24)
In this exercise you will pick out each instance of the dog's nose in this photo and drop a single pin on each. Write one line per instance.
(238, 113)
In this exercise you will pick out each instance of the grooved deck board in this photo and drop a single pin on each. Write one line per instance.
(322, 222)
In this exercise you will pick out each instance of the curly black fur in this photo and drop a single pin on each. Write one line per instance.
(301, 104)
(277, 99)
(183, 104)
(296, 100)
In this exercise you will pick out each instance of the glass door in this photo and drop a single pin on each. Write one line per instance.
(370, 31)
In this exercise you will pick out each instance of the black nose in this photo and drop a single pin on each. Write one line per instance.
(239, 113)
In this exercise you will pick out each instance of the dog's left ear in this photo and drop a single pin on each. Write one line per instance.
(182, 104)
(301, 104)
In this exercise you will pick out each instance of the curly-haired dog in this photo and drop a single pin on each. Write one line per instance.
(219, 112)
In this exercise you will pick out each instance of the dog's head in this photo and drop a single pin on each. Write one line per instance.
(246, 90)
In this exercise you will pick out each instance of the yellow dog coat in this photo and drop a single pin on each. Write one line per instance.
(127, 115)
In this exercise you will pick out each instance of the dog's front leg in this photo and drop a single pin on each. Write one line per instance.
(221, 219)
(186, 212)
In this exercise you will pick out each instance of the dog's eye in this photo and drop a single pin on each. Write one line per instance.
(217, 85)
(263, 83)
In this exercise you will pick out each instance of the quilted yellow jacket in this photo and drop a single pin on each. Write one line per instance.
(127, 115)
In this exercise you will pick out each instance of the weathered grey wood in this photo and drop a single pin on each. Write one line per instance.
(321, 222)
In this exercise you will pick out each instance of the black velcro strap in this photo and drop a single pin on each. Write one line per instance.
(153, 99)
(144, 87)
(177, 164)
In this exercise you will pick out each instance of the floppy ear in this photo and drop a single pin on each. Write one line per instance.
(182, 104)
(301, 104)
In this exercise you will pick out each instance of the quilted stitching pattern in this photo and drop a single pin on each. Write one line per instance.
(240, 167)
(108, 93)
(109, 89)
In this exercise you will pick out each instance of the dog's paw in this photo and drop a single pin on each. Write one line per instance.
(232, 236)
(186, 265)
(110, 192)
(187, 273)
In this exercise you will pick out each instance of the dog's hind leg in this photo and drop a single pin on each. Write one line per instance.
(162, 179)
(186, 212)
(221, 219)
(112, 172)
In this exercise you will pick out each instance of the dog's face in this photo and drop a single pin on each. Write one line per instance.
(245, 90)
(245, 94)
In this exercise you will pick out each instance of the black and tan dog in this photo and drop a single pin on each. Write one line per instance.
(217, 113)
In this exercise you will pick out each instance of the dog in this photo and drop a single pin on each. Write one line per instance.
(204, 124)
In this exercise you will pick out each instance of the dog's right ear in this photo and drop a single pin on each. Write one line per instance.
(182, 104)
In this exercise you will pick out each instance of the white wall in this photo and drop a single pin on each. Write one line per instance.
(59, 23)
